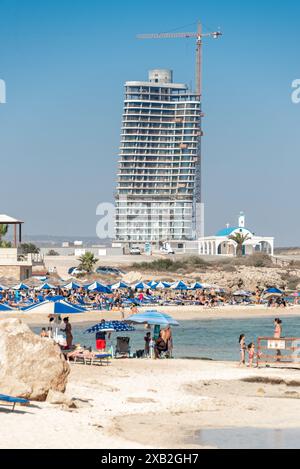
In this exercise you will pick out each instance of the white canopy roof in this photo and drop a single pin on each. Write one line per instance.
(6, 220)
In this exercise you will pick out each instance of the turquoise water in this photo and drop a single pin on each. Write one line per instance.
(249, 438)
(209, 339)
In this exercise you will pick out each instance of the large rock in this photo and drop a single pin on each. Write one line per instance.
(29, 366)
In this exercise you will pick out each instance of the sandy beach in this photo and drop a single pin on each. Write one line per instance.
(158, 404)
(181, 313)
(169, 402)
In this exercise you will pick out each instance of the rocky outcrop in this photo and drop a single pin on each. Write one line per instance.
(29, 366)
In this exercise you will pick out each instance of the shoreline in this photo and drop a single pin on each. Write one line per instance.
(180, 313)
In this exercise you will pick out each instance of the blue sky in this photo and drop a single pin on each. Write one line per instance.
(65, 62)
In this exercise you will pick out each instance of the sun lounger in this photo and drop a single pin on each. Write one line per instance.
(13, 401)
(90, 358)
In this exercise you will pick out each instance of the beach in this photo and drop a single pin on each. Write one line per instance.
(156, 404)
(186, 313)
(159, 403)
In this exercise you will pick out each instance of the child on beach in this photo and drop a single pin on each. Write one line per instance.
(243, 348)
(147, 340)
(251, 353)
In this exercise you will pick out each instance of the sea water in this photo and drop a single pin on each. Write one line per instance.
(249, 438)
(205, 339)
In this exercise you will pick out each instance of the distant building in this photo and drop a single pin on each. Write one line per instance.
(158, 195)
(13, 264)
(222, 245)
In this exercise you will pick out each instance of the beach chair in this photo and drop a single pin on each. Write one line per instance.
(100, 358)
(13, 401)
(123, 347)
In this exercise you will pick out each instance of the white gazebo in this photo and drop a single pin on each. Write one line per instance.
(222, 245)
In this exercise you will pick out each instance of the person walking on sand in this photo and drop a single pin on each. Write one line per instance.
(243, 348)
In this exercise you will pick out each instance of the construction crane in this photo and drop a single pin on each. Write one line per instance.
(199, 35)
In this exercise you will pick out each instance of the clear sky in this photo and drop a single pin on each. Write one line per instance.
(64, 63)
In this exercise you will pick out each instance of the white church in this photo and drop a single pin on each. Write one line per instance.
(222, 245)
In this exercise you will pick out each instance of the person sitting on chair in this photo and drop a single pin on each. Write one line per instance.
(160, 346)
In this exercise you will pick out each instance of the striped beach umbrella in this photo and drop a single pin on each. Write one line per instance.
(110, 326)
(120, 286)
(21, 287)
(179, 286)
(71, 286)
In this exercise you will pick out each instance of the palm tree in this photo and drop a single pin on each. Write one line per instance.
(3, 232)
(87, 262)
(240, 240)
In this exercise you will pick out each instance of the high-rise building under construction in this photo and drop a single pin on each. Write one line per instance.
(158, 196)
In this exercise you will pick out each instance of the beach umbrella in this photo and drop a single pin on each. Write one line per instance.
(153, 318)
(152, 284)
(242, 293)
(162, 286)
(21, 287)
(275, 292)
(110, 326)
(5, 308)
(120, 286)
(141, 286)
(197, 286)
(3, 288)
(71, 286)
(55, 307)
(45, 286)
(179, 286)
(98, 287)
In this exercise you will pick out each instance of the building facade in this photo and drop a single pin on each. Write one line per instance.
(158, 196)
(222, 245)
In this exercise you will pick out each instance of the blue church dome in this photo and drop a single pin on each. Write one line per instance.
(229, 231)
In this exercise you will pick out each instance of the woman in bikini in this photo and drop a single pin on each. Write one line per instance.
(243, 348)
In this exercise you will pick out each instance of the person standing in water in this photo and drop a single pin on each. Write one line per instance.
(278, 334)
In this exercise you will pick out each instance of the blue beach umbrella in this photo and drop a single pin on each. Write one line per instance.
(275, 292)
(152, 284)
(46, 286)
(21, 287)
(141, 286)
(179, 286)
(120, 286)
(162, 286)
(153, 318)
(98, 287)
(113, 326)
(197, 286)
(3, 288)
(71, 286)
(55, 307)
